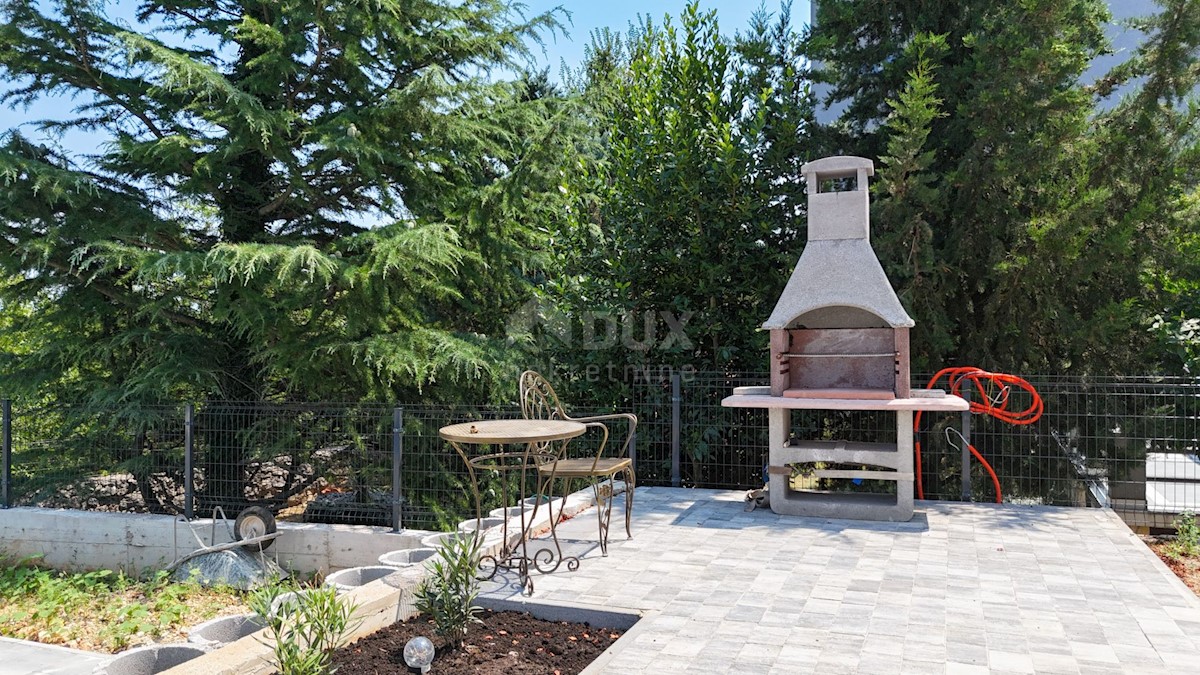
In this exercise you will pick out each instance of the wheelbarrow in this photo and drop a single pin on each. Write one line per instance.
(250, 535)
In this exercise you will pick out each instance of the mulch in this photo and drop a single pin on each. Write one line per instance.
(505, 643)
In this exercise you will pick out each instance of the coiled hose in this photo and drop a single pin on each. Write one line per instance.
(993, 391)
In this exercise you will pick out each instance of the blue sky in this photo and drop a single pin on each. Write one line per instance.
(588, 15)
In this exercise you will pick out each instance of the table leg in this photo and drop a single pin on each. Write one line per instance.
(516, 557)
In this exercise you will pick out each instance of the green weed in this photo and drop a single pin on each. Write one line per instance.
(1187, 537)
(101, 610)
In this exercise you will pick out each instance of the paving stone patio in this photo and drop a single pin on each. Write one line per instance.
(963, 588)
(20, 657)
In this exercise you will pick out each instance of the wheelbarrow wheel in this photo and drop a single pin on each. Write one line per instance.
(254, 521)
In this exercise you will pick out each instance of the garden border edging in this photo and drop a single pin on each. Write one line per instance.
(630, 621)
(380, 604)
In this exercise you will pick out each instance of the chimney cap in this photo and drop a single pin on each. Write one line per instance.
(841, 166)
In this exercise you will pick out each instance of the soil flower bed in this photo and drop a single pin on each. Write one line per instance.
(1186, 567)
(1181, 552)
(505, 643)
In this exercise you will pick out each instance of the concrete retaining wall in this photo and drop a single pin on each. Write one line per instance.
(88, 540)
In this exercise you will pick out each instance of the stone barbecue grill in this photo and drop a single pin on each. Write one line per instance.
(839, 341)
(838, 330)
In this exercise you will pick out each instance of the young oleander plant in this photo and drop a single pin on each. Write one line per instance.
(448, 593)
(304, 629)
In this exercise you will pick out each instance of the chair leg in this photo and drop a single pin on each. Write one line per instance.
(630, 481)
(604, 500)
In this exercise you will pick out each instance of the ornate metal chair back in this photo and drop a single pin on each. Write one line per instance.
(539, 401)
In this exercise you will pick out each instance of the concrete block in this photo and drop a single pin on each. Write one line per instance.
(77, 527)
(156, 532)
(303, 540)
(876, 454)
(137, 542)
(305, 564)
(348, 548)
(151, 558)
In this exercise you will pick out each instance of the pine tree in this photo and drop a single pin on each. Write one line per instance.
(295, 200)
(1038, 250)
(291, 192)
(909, 195)
(1151, 143)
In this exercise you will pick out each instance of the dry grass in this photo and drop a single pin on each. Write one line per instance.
(104, 611)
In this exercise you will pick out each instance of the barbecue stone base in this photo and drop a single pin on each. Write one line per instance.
(854, 506)
(879, 507)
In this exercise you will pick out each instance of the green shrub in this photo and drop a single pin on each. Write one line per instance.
(305, 631)
(448, 592)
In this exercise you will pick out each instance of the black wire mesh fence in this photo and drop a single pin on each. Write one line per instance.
(436, 486)
(365, 464)
(323, 462)
(1126, 442)
(126, 459)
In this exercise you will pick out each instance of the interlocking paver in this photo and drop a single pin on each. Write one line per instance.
(964, 588)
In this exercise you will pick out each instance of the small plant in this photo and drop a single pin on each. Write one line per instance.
(1187, 537)
(448, 592)
(307, 629)
(101, 610)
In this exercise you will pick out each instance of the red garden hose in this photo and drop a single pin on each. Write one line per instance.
(992, 398)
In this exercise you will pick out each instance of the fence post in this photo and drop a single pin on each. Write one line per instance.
(966, 441)
(189, 439)
(676, 423)
(6, 470)
(397, 464)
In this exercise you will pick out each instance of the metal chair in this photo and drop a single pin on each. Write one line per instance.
(539, 401)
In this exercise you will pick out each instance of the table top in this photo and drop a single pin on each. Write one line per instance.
(511, 431)
(940, 404)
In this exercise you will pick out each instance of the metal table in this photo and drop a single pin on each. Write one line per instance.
(541, 442)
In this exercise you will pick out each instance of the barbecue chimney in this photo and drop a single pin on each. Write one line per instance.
(838, 330)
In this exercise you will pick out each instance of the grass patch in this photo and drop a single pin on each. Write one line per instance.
(104, 611)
